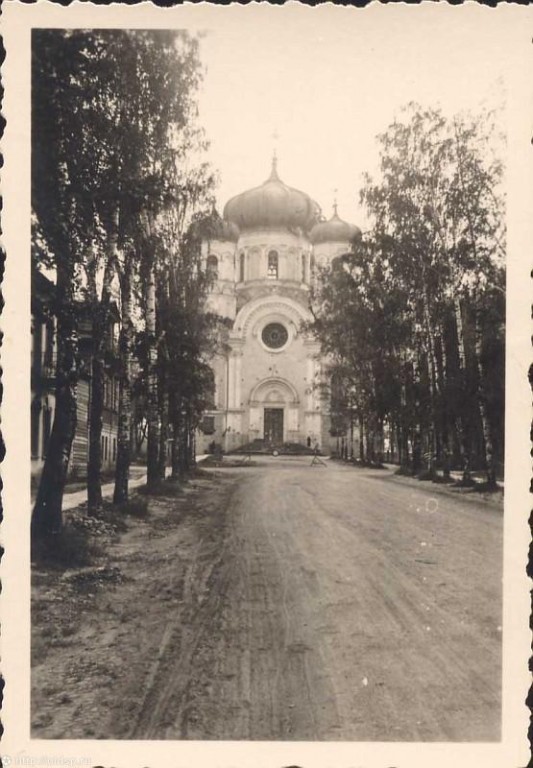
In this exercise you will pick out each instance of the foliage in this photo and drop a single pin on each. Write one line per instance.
(412, 319)
(116, 144)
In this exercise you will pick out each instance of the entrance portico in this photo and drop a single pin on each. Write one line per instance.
(274, 411)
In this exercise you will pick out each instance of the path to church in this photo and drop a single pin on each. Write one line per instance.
(317, 603)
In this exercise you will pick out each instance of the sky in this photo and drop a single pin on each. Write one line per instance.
(327, 80)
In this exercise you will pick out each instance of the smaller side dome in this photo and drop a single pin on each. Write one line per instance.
(216, 228)
(335, 230)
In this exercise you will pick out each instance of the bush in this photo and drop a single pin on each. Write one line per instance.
(135, 507)
(467, 482)
(72, 547)
(426, 475)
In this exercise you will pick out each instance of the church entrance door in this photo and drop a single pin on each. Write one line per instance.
(274, 426)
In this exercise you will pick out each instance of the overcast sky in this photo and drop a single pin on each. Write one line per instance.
(327, 80)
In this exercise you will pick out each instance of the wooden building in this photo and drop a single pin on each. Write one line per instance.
(43, 351)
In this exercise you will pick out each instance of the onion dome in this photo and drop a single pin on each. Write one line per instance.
(272, 205)
(215, 228)
(334, 231)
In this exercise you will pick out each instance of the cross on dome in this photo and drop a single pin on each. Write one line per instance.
(274, 173)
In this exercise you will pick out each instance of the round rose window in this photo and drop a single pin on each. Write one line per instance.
(274, 335)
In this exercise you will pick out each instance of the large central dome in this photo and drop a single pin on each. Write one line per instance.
(272, 205)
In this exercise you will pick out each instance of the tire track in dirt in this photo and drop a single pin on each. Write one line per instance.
(166, 687)
(305, 614)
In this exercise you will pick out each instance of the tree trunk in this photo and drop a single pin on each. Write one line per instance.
(483, 410)
(485, 424)
(179, 442)
(187, 444)
(433, 386)
(175, 452)
(100, 324)
(380, 455)
(47, 513)
(96, 409)
(124, 436)
(163, 433)
(173, 417)
(369, 439)
(182, 449)
(192, 447)
(463, 372)
(152, 404)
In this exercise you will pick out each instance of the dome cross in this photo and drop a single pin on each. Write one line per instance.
(274, 173)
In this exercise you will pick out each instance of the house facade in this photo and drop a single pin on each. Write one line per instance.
(43, 363)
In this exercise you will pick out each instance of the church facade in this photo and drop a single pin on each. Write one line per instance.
(264, 256)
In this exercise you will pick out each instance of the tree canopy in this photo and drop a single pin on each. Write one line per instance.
(412, 317)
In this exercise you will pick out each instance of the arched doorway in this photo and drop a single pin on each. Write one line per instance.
(274, 411)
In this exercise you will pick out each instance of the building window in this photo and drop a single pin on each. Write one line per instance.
(274, 335)
(212, 267)
(304, 271)
(272, 272)
(207, 425)
(241, 267)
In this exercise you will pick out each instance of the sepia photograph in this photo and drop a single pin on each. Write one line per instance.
(265, 309)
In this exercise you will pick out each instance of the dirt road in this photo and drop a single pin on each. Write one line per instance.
(284, 601)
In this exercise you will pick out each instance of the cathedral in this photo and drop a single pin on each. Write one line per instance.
(264, 255)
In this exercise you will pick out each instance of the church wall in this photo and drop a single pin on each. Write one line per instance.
(222, 301)
(290, 248)
(252, 377)
(225, 254)
(259, 365)
(324, 253)
(219, 366)
(221, 298)
(281, 378)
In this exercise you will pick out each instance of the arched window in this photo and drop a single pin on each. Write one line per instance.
(212, 267)
(272, 272)
(241, 267)
(304, 271)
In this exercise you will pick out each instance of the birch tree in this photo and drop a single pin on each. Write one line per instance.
(419, 349)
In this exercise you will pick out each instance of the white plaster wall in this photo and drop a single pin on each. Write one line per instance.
(289, 246)
(274, 378)
(324, 253)
(225, 254)
(294, 371)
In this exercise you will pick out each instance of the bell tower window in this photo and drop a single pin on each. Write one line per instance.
(273, 260)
